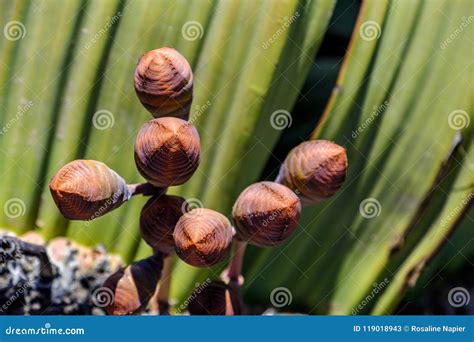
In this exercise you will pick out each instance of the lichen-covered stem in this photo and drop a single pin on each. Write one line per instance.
(25, 248)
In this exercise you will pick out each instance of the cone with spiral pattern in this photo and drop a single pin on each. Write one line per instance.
(215, 298)
(202, 237)
(167, 151)
(315, 170)
(158, 219)
(129, 290)
(164, 83)
(266, 213)
(87, 189)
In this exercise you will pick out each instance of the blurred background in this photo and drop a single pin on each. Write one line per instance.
(389, 80)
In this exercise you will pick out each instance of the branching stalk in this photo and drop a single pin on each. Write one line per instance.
(233, 273)
(164, 286)
(145, 189)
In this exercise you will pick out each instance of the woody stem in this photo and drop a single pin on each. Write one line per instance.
(233, 273)
(145, 189)
(164, 285)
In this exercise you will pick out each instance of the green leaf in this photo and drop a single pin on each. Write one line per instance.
(383, 114)
(245, 134)
(160, 24)
(405, 76)
(34, 86)
(78, 101)
(457, 204)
